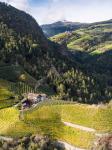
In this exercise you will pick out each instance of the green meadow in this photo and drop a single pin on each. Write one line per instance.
(47, 118)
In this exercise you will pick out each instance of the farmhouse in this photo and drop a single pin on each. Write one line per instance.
(33, 99)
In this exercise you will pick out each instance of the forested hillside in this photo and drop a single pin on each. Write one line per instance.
(92, 47)
(23, 44)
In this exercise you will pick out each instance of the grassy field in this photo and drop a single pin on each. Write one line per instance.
(7, 103)
(6, 96)
(47, 119)
(89, 116)
(8, 117)
(5, 93)
(97, 117)
(77, 137)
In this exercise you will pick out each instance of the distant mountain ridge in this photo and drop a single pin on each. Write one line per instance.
(102, 22)
(92, 38)
(63, 26)
(60, 27)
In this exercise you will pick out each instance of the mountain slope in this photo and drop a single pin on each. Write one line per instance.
(19, 21)
(23, 39)
(60, 27)
(92, 47)
(90, 39)
(23, 44)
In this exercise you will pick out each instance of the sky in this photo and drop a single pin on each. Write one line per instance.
(49, 11)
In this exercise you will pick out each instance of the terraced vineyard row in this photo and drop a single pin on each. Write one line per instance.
(9, 92)
(21, 87)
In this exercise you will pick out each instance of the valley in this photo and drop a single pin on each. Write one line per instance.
(72, 69)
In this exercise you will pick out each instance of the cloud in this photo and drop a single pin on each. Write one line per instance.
(74, 10)
(48, 11)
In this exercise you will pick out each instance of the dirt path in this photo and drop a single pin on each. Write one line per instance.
(86, 129)
(79, 127)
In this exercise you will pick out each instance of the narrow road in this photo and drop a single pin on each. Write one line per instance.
(86, 129)
(79, 127)
(68, 146)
